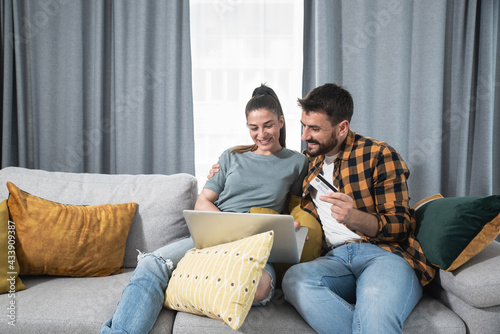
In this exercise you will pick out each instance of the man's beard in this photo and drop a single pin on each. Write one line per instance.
(323, 148)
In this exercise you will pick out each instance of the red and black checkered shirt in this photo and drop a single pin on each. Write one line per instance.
(374, 175)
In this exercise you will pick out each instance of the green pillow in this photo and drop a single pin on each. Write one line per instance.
(9, 267)
(454, 230)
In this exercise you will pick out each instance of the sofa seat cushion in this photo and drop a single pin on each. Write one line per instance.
(160, 198)
(277, 316)
(477, 283)
(430, 316)
(69, 304)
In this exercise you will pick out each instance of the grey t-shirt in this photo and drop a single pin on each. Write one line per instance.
(248, 179)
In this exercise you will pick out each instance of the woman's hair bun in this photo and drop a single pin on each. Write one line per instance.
(260, 91)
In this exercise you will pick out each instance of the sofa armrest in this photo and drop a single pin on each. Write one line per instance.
(477, 282)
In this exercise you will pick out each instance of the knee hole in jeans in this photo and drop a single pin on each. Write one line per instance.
(270, 295)
(167, 262)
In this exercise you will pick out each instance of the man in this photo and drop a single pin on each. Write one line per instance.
(371, 275)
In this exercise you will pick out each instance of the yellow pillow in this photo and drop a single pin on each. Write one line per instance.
(220, 281)
(68, 240)
(312, 247)
(9, 267)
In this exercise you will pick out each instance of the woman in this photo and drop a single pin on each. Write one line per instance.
(260, 175)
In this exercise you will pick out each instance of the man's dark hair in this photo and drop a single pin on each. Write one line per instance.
(331, 99)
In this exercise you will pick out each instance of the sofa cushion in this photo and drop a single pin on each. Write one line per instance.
(68, 240)
(160, 198)
(454, 230)
(277, 316)
(477, 282)
(220, 281)
(312, 248)
(478, 320)
(52, 304)
(431, 316)
(9, 267)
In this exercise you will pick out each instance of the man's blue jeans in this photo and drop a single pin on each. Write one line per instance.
(355, 288)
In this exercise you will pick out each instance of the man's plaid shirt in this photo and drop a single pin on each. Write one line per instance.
(374, 175)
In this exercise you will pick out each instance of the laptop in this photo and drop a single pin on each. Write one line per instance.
(209, 228)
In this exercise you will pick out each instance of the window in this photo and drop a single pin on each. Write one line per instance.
(236, 46)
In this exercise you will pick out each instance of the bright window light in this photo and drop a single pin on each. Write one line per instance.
(236, 46)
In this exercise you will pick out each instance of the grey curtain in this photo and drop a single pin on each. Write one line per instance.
(425, 77)
(97, 86)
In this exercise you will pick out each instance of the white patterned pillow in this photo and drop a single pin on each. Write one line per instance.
(220, 282)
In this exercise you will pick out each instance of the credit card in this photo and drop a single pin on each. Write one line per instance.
(322, 185)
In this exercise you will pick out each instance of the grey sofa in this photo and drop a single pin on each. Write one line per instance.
(466, 300)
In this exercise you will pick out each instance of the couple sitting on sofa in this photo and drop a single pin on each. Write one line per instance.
(371, 256)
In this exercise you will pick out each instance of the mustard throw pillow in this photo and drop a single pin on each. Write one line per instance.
(220, 281)
(312, 247)
(68, 240)
(9, 267)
